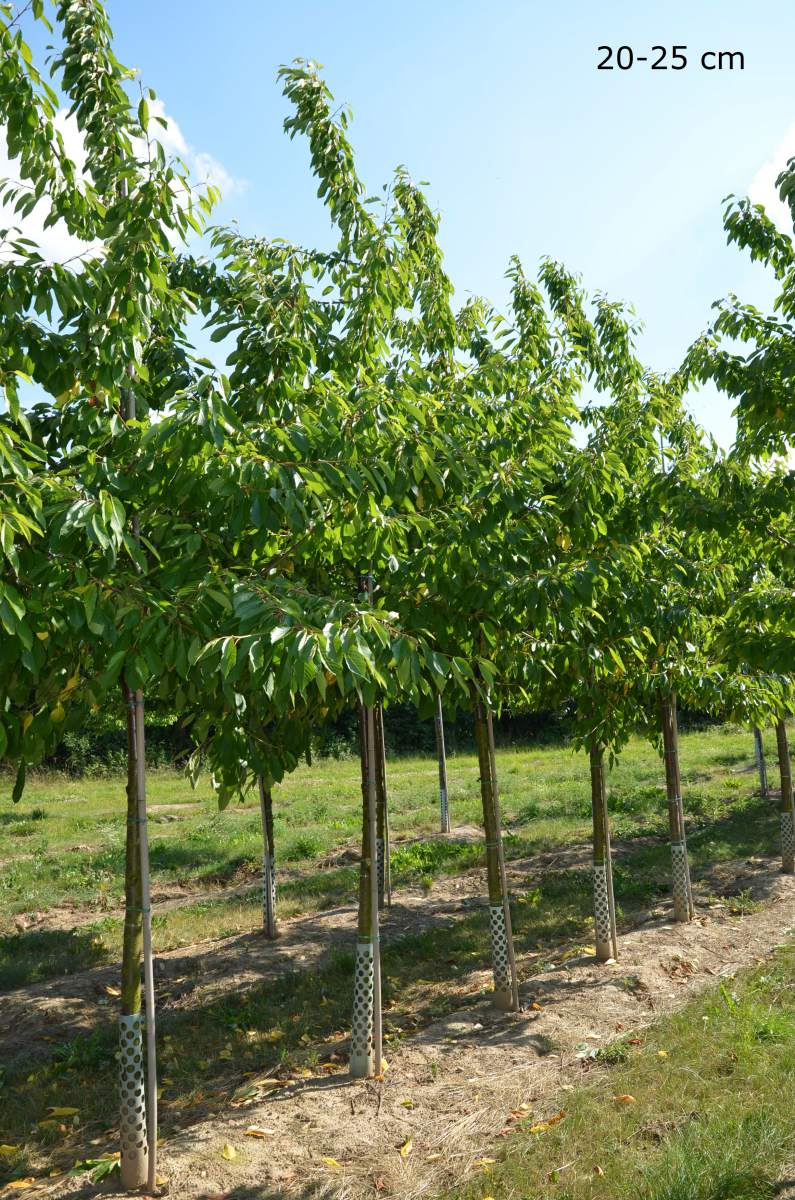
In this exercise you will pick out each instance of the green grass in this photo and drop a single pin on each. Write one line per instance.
(709, 1117)
(63, 845)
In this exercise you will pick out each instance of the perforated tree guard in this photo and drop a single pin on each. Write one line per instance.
(269, 892)
(787, 842)
(601, 912)
(680, 878)
(361, 1064)
(499, 954)
(134, 1148)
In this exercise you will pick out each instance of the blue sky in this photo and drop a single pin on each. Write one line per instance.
(528, 148)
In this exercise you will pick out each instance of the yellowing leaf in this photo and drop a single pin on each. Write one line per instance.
(408, 1102)
(484, 1162)
(662, 1053)
(542, 1126)
(63, 1111)
(228, 1151)
(258, 1131)
(405, 1149)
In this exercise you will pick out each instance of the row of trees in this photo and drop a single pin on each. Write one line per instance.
(381, 499)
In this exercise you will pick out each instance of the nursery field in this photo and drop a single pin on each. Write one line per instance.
(246, 1023)
(386, 511)
(62, 846)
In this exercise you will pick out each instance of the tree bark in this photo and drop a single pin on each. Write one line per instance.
(366, 1034)
(268, 862)
(785, 808)
(680, 866)
(132, 1095)
(606, 942)
(502, 957)
(444, 801)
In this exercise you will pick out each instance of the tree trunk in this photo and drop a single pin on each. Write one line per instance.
(680, 866)
(606, 942)
(366, 1034)
(132, 1094)
(502, 957)
(444, 803)
(382, 803)
(268, 862)
(785, 807)
(761, 766)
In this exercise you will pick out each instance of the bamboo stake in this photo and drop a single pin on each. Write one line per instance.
(444, 802)
(680, 866)
(384, 846)
(786, 811)
(506, 903)
(761, 766)
(268, 861)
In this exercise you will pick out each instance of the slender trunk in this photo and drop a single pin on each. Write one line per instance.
(444, 803)
(137, 1100)
(680, 866)
(761, 766)
(505, 982)
(785, 807)
(134, 1143)
(366, 1035)
(382, 799)
(603, 900)
(268, 862)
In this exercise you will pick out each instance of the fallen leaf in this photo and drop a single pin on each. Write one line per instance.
(625, 1099)
(19, 1184)
(542, 1126)
(662, 1053)
(62, 1112)
(332, 1162)
(228, 1152)
(258, 1131)
(7, 1151)
(484, 1162)
(405, 1149)
(112, 991)
(598, 1170)
(536, 1007)
(432, 1157)
(408, 1102)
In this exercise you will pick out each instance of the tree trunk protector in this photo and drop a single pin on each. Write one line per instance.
(134, 1144)
(361, 1064)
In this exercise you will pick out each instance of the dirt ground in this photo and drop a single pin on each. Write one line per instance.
(450, 1088)
(32, 1017)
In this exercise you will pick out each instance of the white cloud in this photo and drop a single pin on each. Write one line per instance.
(55, 243)
(763, 188)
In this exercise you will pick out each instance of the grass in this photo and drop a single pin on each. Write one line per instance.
(63, 845)
(704, 1119)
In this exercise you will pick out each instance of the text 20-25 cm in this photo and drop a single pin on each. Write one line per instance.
(669, 58)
